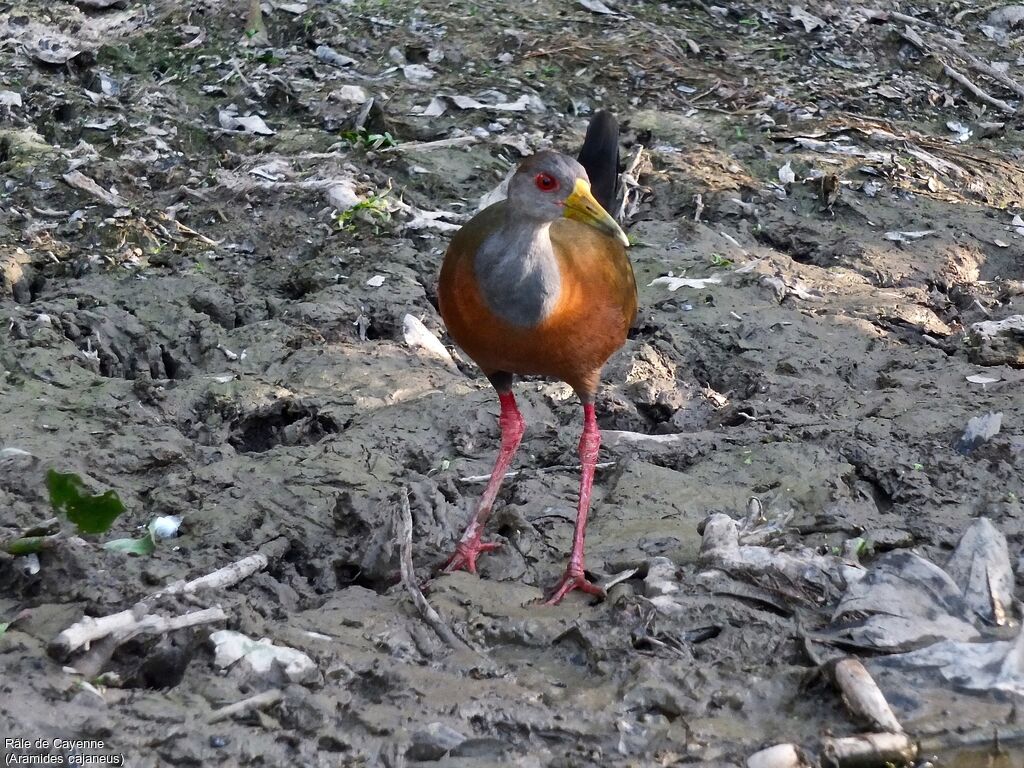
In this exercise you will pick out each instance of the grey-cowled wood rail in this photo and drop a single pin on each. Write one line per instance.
(540, 284)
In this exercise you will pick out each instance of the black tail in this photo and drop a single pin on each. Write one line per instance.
(600, 157)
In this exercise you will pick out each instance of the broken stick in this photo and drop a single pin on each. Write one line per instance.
(136, 619)
(403, 534)
(977, 91)
(870, 750)
(259, 701)
(863, 696)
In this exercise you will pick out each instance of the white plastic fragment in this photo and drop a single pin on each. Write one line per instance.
(10, 99)
(262, 658)
(906, 237)
(979, 430)
(376, 281)
(29, 564)
(165, 526)
(438, 105)
(348, 94)
(786, 174)
(980, 378)
(675, 283)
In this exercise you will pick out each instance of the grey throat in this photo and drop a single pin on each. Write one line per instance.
(518, 272)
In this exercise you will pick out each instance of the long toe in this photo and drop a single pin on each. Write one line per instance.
(570, 581)
(464, 557)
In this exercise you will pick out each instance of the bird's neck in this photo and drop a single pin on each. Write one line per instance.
(518, 272)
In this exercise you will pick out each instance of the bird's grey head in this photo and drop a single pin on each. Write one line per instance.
(542, 184)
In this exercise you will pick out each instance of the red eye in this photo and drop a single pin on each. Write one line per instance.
(546, 182)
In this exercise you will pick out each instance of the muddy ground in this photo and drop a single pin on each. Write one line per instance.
(202, 333)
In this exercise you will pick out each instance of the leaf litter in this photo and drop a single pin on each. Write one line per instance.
(172, 194)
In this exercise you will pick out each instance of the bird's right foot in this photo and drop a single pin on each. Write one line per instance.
(466, 553)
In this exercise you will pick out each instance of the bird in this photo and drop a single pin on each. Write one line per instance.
(540, 283)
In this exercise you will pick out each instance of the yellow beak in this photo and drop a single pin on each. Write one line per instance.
(581, 206)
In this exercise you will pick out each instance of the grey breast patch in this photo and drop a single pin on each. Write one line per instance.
(518, 274)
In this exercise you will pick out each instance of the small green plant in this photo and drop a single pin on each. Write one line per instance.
(718, 260)
(374, 210)
(359, 138)
(88, 513)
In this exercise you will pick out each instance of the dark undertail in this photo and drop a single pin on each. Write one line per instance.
(501, 381)
(600, 157)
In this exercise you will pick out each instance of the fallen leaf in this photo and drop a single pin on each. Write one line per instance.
(596, 6)
(809, 20)
(50, 50)
(417, 73)
(467, 102)
(247, 124)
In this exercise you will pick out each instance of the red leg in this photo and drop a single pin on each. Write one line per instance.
(470, 545)
(590, 442)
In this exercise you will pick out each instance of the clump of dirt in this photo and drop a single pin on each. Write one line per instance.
(208, 245)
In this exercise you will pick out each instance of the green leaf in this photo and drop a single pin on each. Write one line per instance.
(92, 514)
(3, 627)
(143, 546)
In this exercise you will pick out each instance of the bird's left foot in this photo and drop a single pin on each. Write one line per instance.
(466, 552)
(571, 580)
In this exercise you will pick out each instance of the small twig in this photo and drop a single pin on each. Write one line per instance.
(259, 701)
(909, 19)
(980, 94)
(631, 188)
(541, 471)
(870, 749)
(424, 146)
(403, 535)
(969, 11)
(987, 69)
(138, 619)
(550, 51)
(192, 233)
